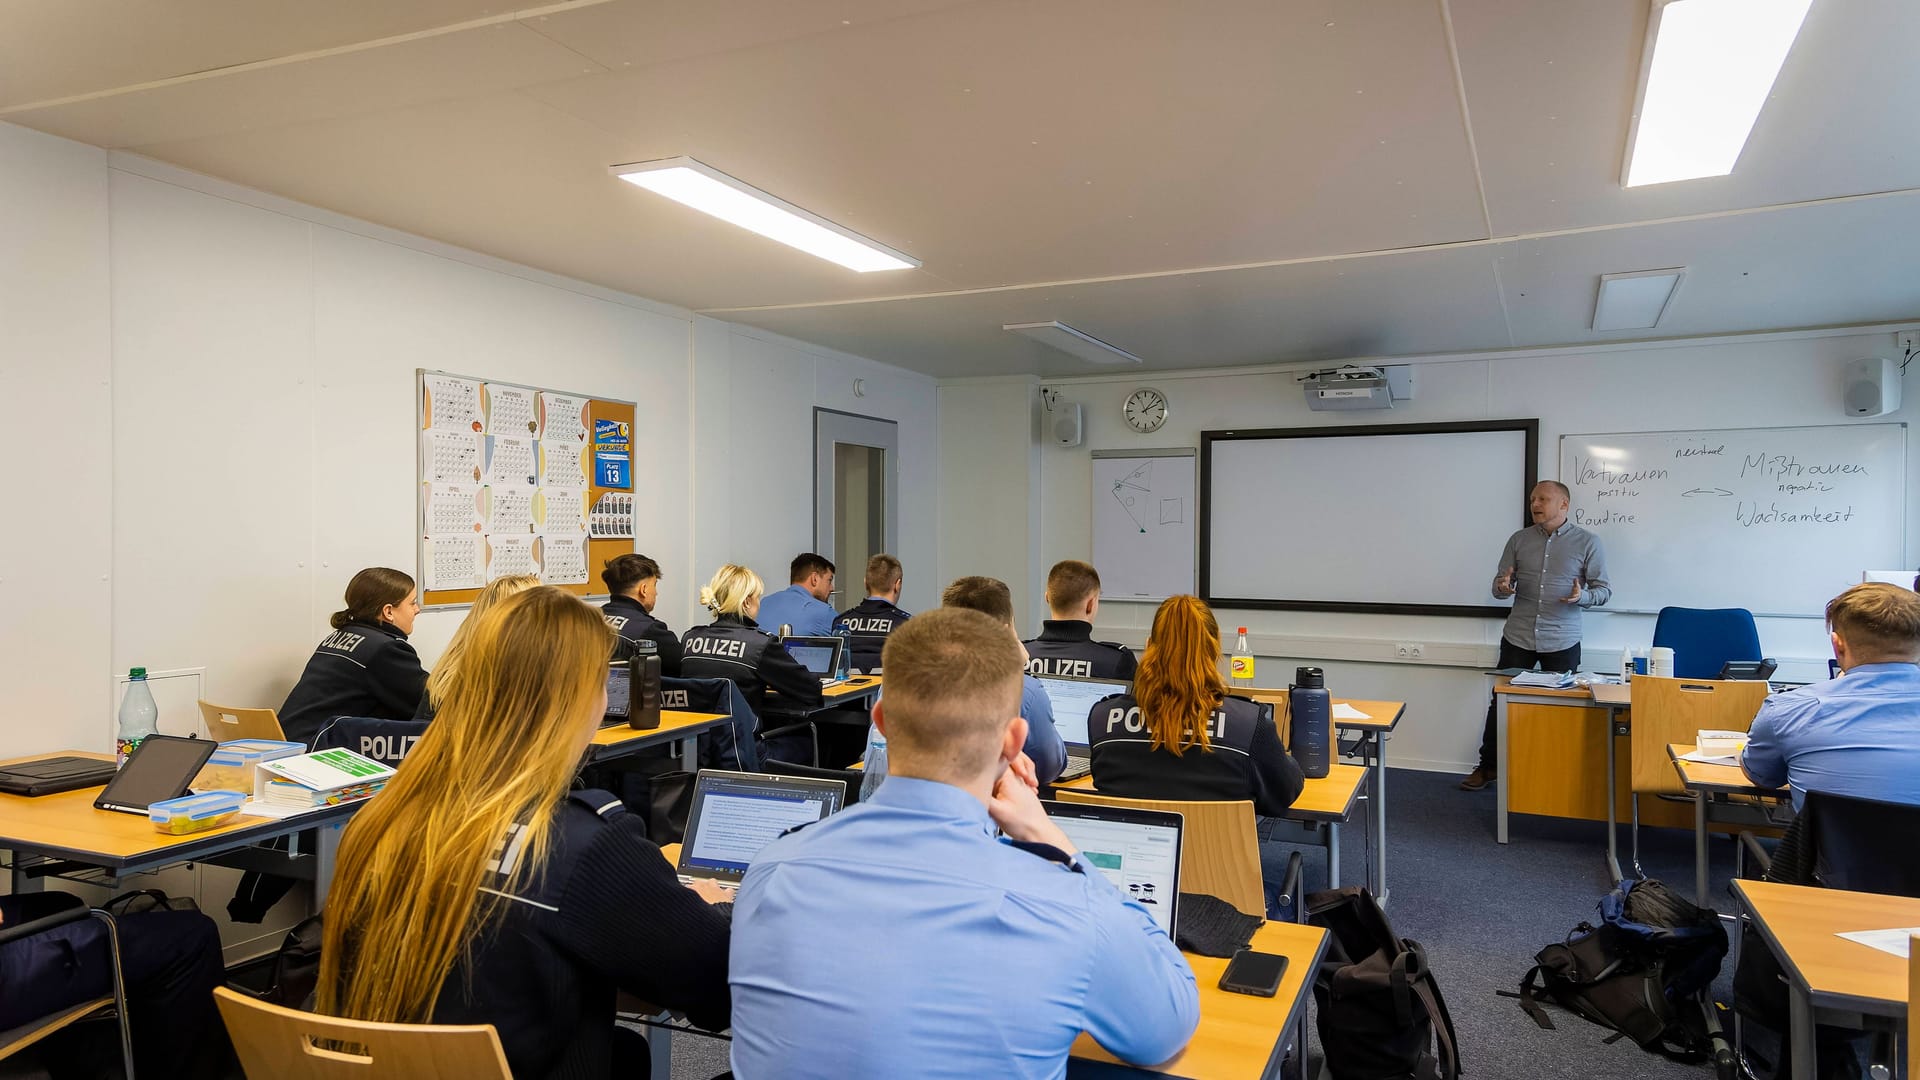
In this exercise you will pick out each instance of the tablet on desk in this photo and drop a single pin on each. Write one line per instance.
(161, 767)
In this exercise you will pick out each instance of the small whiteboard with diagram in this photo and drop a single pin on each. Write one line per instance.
(1144, 522)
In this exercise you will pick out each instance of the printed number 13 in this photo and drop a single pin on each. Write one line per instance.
(611, 472)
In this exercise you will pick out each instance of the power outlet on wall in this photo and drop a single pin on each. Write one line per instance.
(1409, 650)
(1906, 341)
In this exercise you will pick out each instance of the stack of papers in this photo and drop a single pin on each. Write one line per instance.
(1549, 680)
(1707, 757)
(1894, 941)
(323, 778)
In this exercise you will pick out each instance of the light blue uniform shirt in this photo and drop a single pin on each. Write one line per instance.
(1044, 744)
(1856, 735)
(795, 606)
(899, 938)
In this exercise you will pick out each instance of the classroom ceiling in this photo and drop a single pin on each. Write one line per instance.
(1210, 183)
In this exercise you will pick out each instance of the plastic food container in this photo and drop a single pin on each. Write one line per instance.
(232, 764)
(192, 813)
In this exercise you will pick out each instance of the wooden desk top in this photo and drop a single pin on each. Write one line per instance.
(1238, 1032)
(1330, 798)
(671, 720)
(1722, 779)
(1801, 924)
(1612, 693)
(858, 684)
(1571, 693)
(66, 824)
(1381, 715)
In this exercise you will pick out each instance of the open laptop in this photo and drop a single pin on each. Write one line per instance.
(1073, 700)
(735, 814)
(820, 655)
(1137, 850)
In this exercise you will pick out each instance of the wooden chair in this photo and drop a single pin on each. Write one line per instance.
(226, 723)
(1676, 711)
(1219, 846)
(283, 1043)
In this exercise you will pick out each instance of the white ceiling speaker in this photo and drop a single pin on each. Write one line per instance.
(1870, 386)
(1068, 424)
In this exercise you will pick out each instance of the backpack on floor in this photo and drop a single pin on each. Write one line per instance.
(1643, 972)
(1380, 1013)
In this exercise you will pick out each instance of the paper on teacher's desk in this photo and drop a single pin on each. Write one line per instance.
(1704, 757)
(256, 808)
(1887, 941)
(1344, 711)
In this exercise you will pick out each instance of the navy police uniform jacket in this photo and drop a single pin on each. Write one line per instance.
(361, 669)
(546, 974)
(634, 623)
(734, 647)
(1066, 647)
(867, 625)
(1246, 760)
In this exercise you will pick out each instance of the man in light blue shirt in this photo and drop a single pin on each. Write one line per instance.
(1859, 734)
(901, 938)
(803, 604)
(1045, 748)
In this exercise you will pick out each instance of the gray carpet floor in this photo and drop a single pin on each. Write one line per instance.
(1481, 910)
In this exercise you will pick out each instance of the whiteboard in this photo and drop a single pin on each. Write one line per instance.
(1774, 520)
(1143, 523)
(1392, 518)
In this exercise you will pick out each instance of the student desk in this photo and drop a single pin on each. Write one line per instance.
(1721, 794)
(67, 827)
(1323, 806)
(857, 690)
(1830, 979)
(680, 728)
(1557, 754)
(1372, 731)
(1241, 1035)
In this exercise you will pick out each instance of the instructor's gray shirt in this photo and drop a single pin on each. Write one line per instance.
(1545, 568)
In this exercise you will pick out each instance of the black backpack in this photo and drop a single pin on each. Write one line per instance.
(1380, 1012)
(1644, 972)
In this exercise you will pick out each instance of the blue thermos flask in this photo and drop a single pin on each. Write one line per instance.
(1310, 722)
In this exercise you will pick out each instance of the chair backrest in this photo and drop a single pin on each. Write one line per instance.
(1219, 846)
(226, 723)
(697, 695)
(1704, 639)
(292, 1045)
(730, 746)
(851, 777)
(1862, 845)
(1674, 711)
(385, 741)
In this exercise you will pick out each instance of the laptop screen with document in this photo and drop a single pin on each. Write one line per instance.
(1137, 850)
(1073, 700)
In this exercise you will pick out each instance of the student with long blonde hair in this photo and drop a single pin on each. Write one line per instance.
(474, 889)
(497, 590)
(1179, 735)
(734, 647)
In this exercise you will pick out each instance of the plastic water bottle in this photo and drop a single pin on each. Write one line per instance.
(1626, 664)
(139, 716)
(1240, 664)
(846, 653)
(875, 765)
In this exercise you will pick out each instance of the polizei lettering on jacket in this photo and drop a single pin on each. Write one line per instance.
(1055, 665)
(344, 641)
(1129, 718)
(867, 626)
(716, 646)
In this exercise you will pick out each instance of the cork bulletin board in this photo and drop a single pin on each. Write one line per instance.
(517, 479)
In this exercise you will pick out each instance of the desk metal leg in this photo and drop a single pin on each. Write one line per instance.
(1613, 813)
(1500, 766)
(1700, 849)
(24, 882)
(1379, 769)
(1800, 1028)
(325, 848)
(1333, 854)
(690, 753)
(660, 1048)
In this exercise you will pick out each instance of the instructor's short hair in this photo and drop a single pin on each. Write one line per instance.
(1565, 492)
(806, 564)
(883, 573)
(1070, 583)
(953, 682)
(1879, 622)
(988, 596)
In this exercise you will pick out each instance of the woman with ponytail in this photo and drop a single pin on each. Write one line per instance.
(475, 890)
(365, 667)
(734, 647)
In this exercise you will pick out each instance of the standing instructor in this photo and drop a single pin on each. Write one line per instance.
(1552, 569)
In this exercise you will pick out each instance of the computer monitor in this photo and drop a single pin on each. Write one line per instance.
(1073, 700)
(1902, 578)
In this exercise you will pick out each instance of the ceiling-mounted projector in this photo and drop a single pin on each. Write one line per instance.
(1350, 387)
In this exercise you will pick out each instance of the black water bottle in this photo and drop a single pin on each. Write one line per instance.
(1310, 722)
(644, 714)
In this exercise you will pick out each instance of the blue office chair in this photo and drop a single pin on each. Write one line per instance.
(1704, 639)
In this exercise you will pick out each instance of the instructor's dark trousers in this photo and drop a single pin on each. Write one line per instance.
(1513, 656)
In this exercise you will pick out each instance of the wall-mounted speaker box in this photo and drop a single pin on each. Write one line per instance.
(1069, 426)
(1870, 386)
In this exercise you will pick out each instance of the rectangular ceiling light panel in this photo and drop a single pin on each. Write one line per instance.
(1708, 69)
(711, 191)
(1073, 342)
(1635, 301)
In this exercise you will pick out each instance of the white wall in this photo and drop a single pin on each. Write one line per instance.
(1751, 383)
(990, 490)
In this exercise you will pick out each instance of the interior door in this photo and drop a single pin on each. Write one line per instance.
(856, 488)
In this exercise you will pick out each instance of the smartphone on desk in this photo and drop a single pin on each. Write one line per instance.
(1255, 973)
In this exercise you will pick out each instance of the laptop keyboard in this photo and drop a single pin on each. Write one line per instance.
(1077, 767)
(730, 886)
